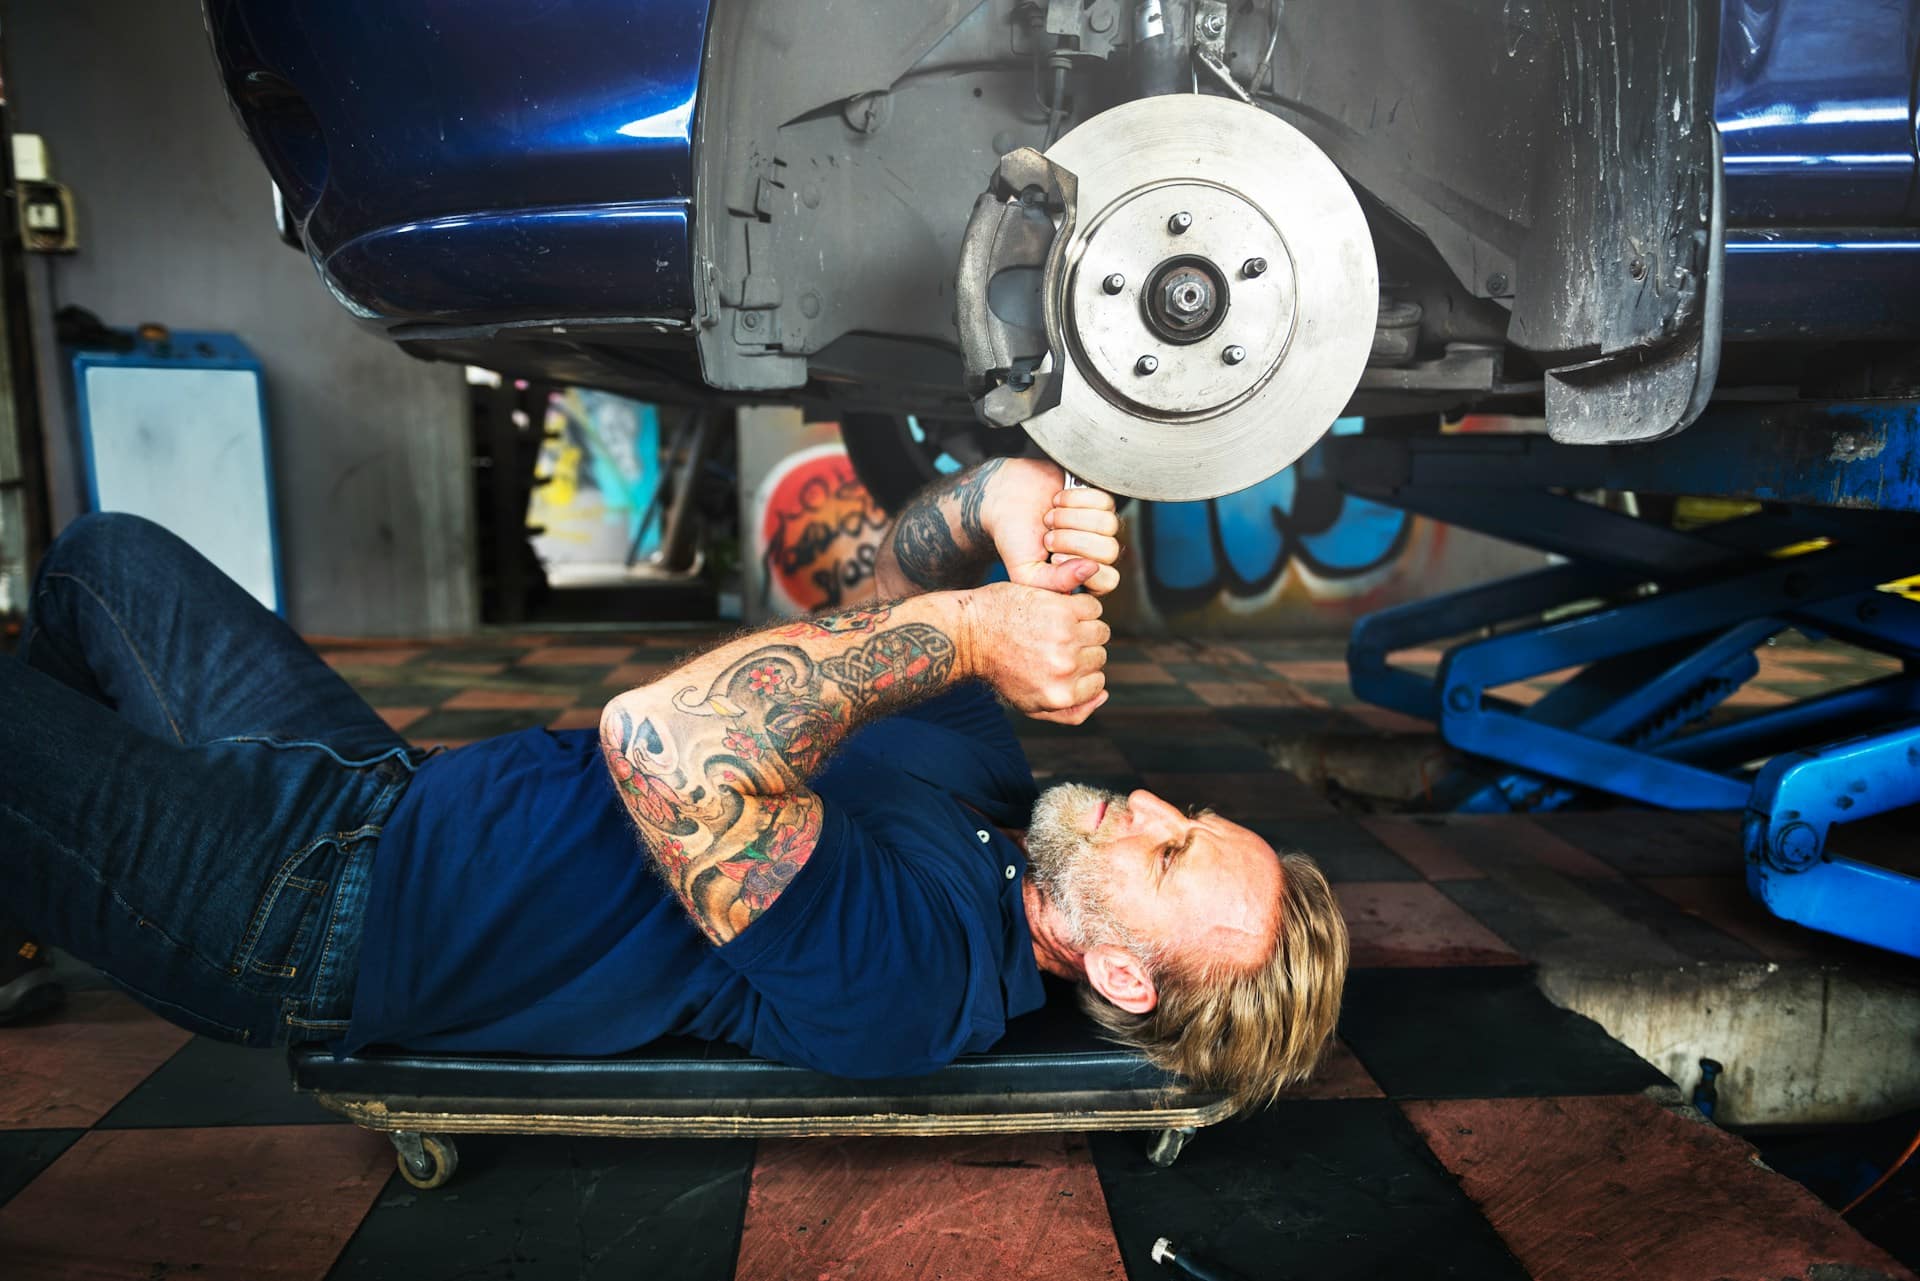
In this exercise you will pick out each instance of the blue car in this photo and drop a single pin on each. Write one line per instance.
(1173, 240)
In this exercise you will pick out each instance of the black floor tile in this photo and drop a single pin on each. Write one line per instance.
(1127, 697)
(443, 654)
(410, 692)
(1344, 850)
(1124, 784)
(1506, 912)
(1480, 1033)
(1646, 843)
(1288, 723)
(1028, 727)
(24, 1153)
(1308, 1190)
(478, 724)
(212, 1083)
(543, 677)
(1183, 755)
(1688, 935)
(544, 1209)
(1225, 670)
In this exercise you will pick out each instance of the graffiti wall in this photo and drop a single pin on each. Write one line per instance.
(600, 461)
(819, 530)
(1291, 555)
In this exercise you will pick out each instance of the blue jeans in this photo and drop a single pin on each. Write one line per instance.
(189, 797)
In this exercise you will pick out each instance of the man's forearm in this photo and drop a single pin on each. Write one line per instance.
(711, 760)
(939, 540)
(824, 676)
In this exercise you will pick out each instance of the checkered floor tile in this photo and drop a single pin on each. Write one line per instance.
(1463, 1126)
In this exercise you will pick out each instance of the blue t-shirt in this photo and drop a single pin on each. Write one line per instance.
(513, 909)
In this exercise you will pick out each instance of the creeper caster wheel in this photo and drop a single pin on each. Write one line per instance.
(1166, 1146)
(425, 1160)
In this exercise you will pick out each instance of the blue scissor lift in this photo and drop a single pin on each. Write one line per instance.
(1662, 625)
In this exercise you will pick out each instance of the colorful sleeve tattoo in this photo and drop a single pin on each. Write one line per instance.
(712, 760)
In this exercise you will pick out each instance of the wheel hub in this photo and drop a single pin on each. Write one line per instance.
(1186, 299)
(1209, 294)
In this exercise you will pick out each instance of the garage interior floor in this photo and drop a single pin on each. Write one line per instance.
(1465, 1126)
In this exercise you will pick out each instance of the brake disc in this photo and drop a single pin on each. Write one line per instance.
(1176, 300)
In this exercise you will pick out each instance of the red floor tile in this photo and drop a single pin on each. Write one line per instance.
(468, 669)
(1757, 696)
(1138, 674)
(488, 700)
(398, 718)
(1723, 902)
(1341, 1076)
(1274, 794)
(1386, 720)
(1216, 652)
(628, 675)
(1424, 843)
(577, 656)
(1463, 846)
(1254, 693)
(1520, 692)
(1526, 837)
(370, 657)
(1597, 1189)
(576, 718)
(1319, 671)
(1410, 923)
(233, 1203)
(990, 1208)
(70, 1069)
(1062, 759)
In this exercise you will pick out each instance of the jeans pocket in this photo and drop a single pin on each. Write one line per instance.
(289, 911)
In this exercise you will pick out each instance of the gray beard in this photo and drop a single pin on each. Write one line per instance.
(1061, 859)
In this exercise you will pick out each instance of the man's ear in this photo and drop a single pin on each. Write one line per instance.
(1117, 974)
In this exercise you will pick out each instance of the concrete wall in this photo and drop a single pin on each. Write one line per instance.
(175, 222)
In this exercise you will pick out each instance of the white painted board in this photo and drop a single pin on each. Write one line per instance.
(187, 448)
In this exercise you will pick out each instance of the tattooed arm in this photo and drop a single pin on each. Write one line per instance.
(940, 538)
(1016, 509)
(712, 760)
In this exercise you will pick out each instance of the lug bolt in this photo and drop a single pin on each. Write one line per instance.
(1213, 26)
(1179, 223)
(1114, 284)
(1146, 365)
(1234, 354)
(1253, 267)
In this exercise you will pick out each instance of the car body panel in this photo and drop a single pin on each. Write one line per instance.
(456, 168)
(478, 161)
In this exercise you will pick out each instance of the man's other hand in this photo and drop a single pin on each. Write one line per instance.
(1041, 528)
(1044, 650)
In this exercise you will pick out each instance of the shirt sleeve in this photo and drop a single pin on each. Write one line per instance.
(876, 961)
(974, 753)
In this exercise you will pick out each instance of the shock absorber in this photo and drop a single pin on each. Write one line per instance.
(1162, 47)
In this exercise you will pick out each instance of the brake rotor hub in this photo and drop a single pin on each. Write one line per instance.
(1209, 293)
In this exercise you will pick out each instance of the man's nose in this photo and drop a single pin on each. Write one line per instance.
(1150, 812)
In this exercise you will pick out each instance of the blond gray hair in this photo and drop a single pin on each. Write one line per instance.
(1251, 1032)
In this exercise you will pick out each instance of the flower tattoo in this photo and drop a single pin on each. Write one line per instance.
(767, 867)
(712, 761)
